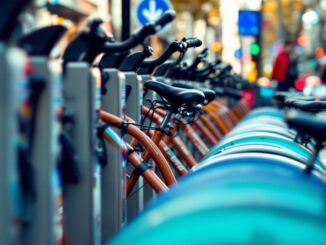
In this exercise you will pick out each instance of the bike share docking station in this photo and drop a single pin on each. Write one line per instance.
(113, 184)
(145, 70)
(123, 96)
(67, 190)
(120, 71)
(133, 108)
(82, 199)
(12, 74)
(38, 149)
(149, 193)
(82, 97)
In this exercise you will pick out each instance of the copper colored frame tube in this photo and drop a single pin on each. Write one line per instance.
(149, 175)
(200, 146)
(216, 106)
(183, 151)
(177, 165)
(176, 141)
(156, 138)
(171, 157)
(220, 124)
(199, 126)
(226, 120)
(205, 132)
(154, 151)
(210, 127)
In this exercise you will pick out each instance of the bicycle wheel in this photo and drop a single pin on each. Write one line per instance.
(236, 203)
(260, 138)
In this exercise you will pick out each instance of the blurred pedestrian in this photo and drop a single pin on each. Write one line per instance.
(285, 67)
(322, 63)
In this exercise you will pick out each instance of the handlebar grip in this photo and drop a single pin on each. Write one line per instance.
(218, 62)
(193, 42)
(165, 18)
(94, 23)
(204, 51)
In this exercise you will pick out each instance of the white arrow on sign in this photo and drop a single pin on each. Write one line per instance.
(152, 13)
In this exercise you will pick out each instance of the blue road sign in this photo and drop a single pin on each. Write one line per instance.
(151, 10)
(249, 22)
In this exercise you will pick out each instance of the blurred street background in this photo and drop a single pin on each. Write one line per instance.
(248, 34)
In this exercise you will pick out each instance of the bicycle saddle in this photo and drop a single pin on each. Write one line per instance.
(289, 101)
(9, 13)
(307, 123)
(233, 93)
(175, 96)
(42, 41)
(309, 106)
(281, 96)
(209, 94)
(162, 70)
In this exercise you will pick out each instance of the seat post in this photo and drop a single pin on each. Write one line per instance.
(158, 135)
(313, 157)
(166, 120)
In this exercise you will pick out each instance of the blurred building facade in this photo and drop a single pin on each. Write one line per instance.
(216, 22)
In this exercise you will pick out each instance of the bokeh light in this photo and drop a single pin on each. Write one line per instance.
(264, 82)
(310, 17)
(254, 49)
(216, 47)
(313, 81)
(246, 58)
(300, 84)
(238, 53)
(319, 52)
(303, 41)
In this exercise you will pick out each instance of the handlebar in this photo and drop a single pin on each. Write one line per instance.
(148, 66)
(192, 42)
(9, 12)
(166, 18)
(142, 34)
(200, 58)
(171, 49)
(205, 70)
(94, 40)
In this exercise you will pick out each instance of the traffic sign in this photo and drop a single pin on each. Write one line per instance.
(249, 23)
(151, 10)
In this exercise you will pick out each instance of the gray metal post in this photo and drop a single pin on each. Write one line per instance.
(149, 193)
(43, 229)
(113, 182)
(12, 63)
(133, 109)
(82, 219)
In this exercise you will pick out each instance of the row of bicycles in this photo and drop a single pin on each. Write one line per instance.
(263, 183)
(91, 137)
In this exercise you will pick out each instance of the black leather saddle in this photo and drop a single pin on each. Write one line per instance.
(42, 41)
(308, 124)
(209, 94)
(308, 105)
(176, 97)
